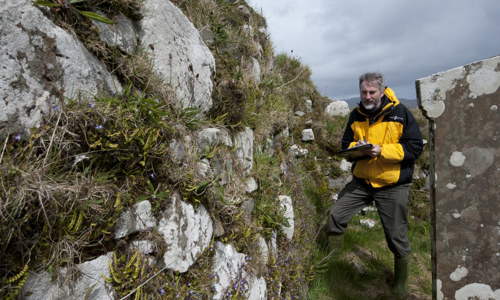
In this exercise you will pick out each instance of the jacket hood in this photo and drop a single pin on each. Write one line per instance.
(390, 94)
(388, 100)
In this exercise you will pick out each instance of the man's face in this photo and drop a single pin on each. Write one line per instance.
(371, 96)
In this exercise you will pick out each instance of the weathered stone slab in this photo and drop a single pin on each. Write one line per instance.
(462, 105)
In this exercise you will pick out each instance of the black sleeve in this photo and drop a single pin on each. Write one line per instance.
(348, 136)
(411, 140)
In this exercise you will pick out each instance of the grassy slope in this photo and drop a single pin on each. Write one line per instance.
(82, 202)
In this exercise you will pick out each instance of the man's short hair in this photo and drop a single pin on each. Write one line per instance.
(373, 77)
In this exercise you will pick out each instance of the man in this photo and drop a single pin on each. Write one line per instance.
(381, 172)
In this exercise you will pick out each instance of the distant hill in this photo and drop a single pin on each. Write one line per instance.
(410, 103)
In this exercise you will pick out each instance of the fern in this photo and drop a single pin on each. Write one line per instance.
(16, 283)
(127, 274)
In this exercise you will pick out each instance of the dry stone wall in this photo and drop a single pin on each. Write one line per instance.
(462, 105)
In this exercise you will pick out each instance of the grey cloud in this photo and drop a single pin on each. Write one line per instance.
(405, 40)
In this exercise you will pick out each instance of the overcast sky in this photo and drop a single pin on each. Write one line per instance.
(405, 40)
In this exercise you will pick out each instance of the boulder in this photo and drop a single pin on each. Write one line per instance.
(337, 108)
(179, 54)
(42, 64)
(88, 285)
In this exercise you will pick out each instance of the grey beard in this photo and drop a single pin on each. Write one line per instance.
(368, 107)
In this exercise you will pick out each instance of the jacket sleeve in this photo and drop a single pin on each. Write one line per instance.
(410, 144)
(348, 136)
(411, 140)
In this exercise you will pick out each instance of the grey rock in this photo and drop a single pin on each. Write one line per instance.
(286, 205)
(307, 135)
(251, 185)
(309, 104)
(257, 288)
(186, 232)
(207, 35)
(88, 285)
(244, 151)
(297, 151)
(180, 56)
(144, 247)
(122, 34)
(137, 218)
(41, 64)
(248, 206)
(228, 264)
(368, 223)
(208, 138)
(337, 108)
(339, 182)
(204, 169)
(345, 165)
(263, 249)
(229, 269)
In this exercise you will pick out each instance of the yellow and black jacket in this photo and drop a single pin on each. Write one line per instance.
(394, 128)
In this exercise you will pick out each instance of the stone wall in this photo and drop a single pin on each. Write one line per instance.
(462, 105)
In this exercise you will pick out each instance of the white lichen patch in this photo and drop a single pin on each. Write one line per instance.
(451, 186)
(477, 291)
(457, 159)
(433, 90)
(439, 285)
(459, 273)
(494, 107)
(485, 80)
(434, 109)
(479, 160)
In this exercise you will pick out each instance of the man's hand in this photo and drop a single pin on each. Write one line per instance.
(372, 151)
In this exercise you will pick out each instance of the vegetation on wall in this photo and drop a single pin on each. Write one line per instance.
(63, 187)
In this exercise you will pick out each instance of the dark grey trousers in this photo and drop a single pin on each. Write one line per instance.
(391, 204)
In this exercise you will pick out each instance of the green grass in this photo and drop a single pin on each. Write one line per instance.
(338, 278)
